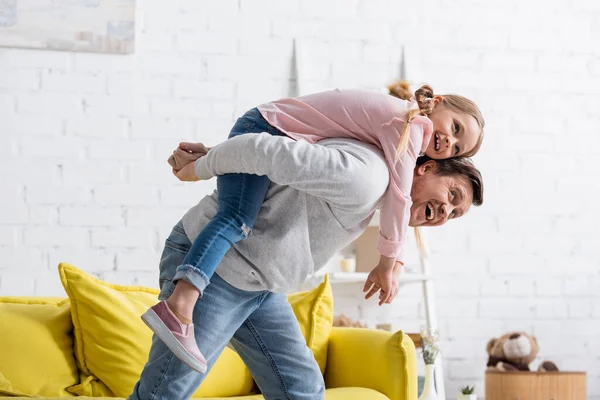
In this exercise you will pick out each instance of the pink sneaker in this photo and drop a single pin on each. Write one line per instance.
(177, 336)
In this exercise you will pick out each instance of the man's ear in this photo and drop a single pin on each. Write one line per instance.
(427, 168)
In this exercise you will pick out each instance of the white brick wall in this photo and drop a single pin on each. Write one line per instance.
(85, 138)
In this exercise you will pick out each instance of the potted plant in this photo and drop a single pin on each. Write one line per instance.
(467, 393)
(429, 343)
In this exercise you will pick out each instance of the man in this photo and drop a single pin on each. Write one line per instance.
(322, 198)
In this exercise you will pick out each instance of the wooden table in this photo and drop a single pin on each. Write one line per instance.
(524, 385)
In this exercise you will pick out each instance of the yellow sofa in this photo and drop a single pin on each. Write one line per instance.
(93, 345)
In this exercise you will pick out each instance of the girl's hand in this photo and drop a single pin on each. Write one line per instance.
(186, 174)
(384, 280)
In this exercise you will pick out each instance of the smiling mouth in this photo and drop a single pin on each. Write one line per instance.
(436, 142)
(429, 212)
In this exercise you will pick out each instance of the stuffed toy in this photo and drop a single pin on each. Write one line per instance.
(514, 351)
(400, 89)
(346, 322)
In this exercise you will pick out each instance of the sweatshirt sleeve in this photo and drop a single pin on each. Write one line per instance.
(319, 170)
(395, 208)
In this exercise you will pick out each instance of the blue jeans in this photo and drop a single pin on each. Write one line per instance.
(260, 326)
(240, 199)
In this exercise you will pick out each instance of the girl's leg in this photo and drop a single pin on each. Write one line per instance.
(240, 199)
(178, 337)
(224, 308)
(182, 301)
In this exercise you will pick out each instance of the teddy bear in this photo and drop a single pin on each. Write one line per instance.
(514, 351)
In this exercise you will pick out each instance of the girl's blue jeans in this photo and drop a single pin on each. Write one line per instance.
(240, 199)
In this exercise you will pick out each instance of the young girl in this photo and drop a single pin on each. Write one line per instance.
(438, 126)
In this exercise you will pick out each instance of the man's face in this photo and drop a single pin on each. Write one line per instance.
(436, 199)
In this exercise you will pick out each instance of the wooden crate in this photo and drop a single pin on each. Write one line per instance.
(367, 256)
(535, 385)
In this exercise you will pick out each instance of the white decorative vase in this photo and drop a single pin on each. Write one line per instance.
(466, 397)
(429, 392)
(348, 265)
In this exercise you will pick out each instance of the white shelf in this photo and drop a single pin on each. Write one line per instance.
(361, 277)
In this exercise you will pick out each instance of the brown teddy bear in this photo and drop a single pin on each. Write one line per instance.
(514, 351)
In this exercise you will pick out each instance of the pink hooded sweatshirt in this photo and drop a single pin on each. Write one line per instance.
(371, 117)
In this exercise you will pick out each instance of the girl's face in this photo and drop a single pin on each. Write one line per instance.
(454, 134)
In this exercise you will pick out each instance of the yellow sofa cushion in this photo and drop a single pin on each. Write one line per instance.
(107, 325)
(112, 342)
(7, 390)
(36, 347)
(330, 394)
(314, 312)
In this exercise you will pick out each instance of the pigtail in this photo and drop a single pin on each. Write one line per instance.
(404, 135)
(424, 97)
(420, 243)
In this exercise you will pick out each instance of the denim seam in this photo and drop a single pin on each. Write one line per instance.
(193, 270)
(239, 207)
(163, 374)
(267, 354)
(245, 228)
(249, 125)
(165, 296)
(179, 229)
(175, 246)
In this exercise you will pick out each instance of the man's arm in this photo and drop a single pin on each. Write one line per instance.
(346, 176)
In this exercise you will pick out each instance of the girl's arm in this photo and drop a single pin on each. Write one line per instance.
(395, 209)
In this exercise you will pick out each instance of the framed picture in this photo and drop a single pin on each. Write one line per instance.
(101, 26)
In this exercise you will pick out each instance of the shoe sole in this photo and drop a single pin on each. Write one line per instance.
(151, 319)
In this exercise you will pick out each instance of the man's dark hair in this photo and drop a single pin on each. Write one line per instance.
(460, 166)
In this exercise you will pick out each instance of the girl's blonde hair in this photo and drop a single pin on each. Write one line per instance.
(424, 97)
(420, 243)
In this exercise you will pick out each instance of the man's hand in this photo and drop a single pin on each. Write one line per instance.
(185, 154)
(383, 279)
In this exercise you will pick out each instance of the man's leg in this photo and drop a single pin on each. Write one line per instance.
(273, 348)
(218, 313)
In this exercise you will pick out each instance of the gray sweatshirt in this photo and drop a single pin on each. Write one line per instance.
(321, 198)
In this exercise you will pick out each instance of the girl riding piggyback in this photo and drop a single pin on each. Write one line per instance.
(437, 126)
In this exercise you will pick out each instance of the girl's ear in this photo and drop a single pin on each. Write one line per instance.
(437, 100)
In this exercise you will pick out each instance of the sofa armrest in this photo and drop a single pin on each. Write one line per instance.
(374, 359)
